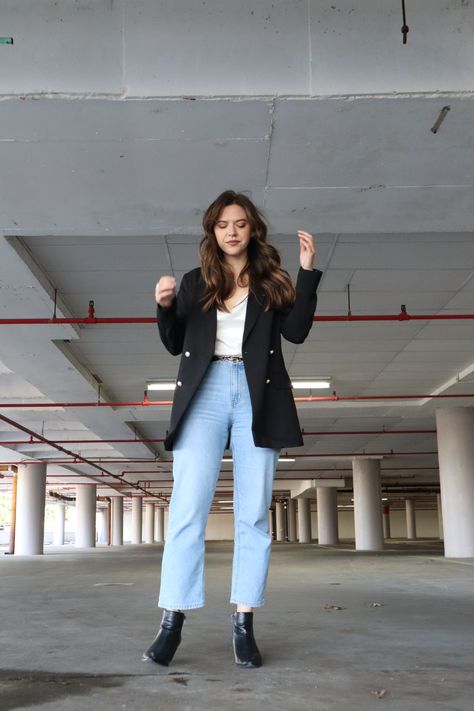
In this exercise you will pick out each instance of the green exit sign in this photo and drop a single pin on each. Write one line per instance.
(6, 40)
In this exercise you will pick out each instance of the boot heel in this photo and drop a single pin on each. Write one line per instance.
(166, 642)
(246, 652)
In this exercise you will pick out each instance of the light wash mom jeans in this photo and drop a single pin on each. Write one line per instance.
(222, 403)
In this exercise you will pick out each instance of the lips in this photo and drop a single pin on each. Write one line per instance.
(232, 242)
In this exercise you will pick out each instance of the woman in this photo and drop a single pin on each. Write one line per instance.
(232, 391)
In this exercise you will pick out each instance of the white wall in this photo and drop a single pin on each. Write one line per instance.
(426, 524)
(221, 526)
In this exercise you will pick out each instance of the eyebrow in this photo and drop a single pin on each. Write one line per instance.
(242, 219)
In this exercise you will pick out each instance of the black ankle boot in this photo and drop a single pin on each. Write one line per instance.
(167, 640)
(245, 647)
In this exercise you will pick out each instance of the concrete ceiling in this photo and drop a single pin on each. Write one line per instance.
(110, 155)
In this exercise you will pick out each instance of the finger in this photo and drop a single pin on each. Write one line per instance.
(306, 238)
(307, 246)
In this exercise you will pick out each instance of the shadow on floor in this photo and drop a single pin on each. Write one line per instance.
(31, 688)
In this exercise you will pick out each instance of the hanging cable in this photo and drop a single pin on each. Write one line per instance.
(405, 28)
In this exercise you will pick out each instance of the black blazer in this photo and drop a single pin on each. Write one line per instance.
(185, 328)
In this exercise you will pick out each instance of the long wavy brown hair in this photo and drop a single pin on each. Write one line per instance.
(262, 270)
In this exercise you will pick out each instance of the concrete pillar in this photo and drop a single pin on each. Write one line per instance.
(411, 519)
(328, 534)
(270, 523)
(386, 521)
(103, 526)
(280, 521)
(455, 429)
(367, 509)
(30, 503)
(117, 521)
(85, 515)
(440, 516)
(304, 520)
(291, 515)
(136, 519)
(59, 521)
(149, 522)
(159, 524)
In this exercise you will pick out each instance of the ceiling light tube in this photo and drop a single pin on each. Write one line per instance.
(296, 384)
(161, 385)
(280, 459)
(311, 384)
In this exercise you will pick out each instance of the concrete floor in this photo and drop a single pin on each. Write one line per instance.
(74, 625)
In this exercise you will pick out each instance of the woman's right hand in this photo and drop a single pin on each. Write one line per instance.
(165, 291)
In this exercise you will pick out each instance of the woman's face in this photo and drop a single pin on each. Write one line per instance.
(232, 231)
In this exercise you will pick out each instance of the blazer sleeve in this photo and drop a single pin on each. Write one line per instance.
(297, 321)
(172, 320)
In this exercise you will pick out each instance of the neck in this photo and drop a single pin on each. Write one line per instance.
(237, 264)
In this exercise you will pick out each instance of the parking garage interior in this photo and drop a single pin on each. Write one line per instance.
(119, 123)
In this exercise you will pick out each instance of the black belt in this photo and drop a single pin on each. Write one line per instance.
(234, 359)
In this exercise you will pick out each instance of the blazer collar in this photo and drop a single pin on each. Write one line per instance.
(254, 309)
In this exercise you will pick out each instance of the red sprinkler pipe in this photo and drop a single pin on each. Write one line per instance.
(76, 457)
(161, 439)
(93, 462)
(367, 432)
(160, 403)
(91, 320)
(327, 470)
(81, 441)
(149, 319)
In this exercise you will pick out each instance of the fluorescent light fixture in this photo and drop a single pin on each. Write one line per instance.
(296, 384)
(280, 459)
(311, 384)
(161, 385)
(385, 499)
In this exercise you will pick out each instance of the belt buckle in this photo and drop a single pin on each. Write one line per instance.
(233, 359)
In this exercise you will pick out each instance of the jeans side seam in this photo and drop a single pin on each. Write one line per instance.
(235, 583)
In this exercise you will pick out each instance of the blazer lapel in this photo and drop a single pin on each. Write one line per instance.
(208, 327)
(254, 308)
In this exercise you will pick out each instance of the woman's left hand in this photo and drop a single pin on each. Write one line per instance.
(307, 250)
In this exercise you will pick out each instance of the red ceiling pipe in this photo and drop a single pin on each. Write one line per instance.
(91, 319)
(69, 462)
(336, 398)
(145, 441)
(81, 441)
(97, 463)
(326, 470)
(402, 316)
(390, 453)
(158, 462)
(17, 425)
(155, 403)
(367, 432)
